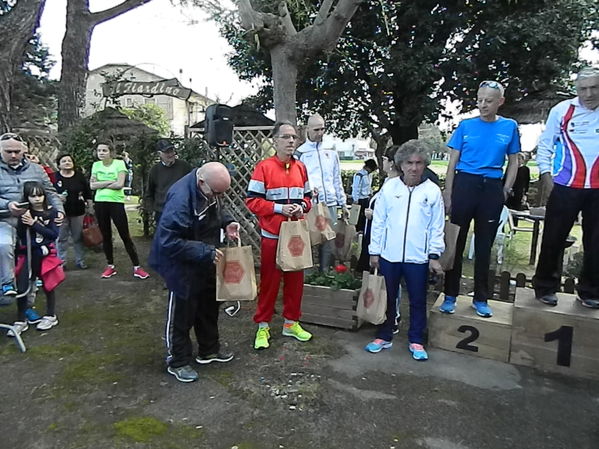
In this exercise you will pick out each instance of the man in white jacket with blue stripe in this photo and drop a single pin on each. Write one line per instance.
(407, 241)
(324, 176)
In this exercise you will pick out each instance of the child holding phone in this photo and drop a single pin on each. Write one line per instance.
(40, 223)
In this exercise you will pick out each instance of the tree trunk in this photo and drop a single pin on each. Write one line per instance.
(75, 55)
(75, 59)
(16, 30)
(284, 76)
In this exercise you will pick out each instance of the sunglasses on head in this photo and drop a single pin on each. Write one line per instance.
(491, 84)
(9, 136)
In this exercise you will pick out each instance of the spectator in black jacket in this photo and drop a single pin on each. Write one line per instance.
(163, 175)
(76, 195)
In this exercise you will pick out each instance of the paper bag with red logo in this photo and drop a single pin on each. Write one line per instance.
(319, 224)
(372, 302)
(293, 250)
(235, 275)
(344, 236)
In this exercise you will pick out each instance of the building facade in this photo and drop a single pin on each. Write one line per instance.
(134, 86)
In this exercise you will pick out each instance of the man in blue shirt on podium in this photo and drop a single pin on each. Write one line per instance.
(474, 190)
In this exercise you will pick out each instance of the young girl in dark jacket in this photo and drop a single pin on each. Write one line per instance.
(40, 223)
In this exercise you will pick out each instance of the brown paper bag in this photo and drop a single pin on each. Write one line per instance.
(235, 275)
(451, 237)
(372, 302)
(354, 213)
(319, 224)
(293, 250)
(344, 236)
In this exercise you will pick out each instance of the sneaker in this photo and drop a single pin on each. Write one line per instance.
(448, 305)
(550, 299)
(139, 272)
(47, 322)
(82, 265)
(222, 357)
(296, 331)
(418, 352)
(590, 303)
(32, 316)
(378, 345)
(262, 337)
(108, 272)
(183, 373)
(19, 326)
(9, 290)
(482, 309)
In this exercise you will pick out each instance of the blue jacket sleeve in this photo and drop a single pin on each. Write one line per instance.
(175, 232)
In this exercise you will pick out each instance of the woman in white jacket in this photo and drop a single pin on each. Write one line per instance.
(407, 241)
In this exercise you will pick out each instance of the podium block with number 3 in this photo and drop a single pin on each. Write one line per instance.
(466, 332)
(563, 339)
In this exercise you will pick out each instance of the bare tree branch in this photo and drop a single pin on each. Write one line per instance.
(323, 12)
(286, 18)
(115, 11)
(250, 19)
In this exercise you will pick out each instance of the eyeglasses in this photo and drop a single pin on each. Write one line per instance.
(288, 137)
(9, 136)
(491, 84)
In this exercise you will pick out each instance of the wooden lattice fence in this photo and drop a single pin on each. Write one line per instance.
(45, 146)
(250, 145)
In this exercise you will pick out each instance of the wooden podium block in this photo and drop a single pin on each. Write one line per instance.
(466, 332)
(562, 339)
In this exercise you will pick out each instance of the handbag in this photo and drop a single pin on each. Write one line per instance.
(235, 274)
(372, 302)
(319, 224)
(91, 234)
(451, 236)
(294, 252)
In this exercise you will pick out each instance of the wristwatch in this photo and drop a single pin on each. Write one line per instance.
(433, 256)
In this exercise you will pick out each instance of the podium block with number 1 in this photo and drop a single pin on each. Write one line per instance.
(564, 338)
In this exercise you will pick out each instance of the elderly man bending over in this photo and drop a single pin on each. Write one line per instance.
(15, 170)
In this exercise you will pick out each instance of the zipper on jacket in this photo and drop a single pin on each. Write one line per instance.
(326, 202)
(405, 234)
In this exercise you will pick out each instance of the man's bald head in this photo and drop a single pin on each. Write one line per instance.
(12, 149)
(213, 178)
(315, 128)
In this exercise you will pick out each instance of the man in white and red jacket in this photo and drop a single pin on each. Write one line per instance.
(279, 190)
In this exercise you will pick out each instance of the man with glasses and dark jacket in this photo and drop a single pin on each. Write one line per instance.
(15, 170)
(474, 189)
(185, 252)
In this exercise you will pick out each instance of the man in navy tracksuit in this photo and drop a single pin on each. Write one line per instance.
(185, 252)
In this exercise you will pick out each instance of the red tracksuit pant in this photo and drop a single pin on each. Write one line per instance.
(270, 279)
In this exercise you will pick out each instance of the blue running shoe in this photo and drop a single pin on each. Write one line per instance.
(418, 352)
(448, 305)
(378, 345)
(482, 309)
(32, 316)
(9, 290)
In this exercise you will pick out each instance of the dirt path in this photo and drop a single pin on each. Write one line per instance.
(98, 381)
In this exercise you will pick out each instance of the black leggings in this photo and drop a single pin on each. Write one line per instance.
(105, 212)
(23, 285)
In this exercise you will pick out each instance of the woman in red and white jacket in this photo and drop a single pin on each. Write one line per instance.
(279, 190)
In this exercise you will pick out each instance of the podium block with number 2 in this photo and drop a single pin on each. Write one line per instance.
(466, 332)
(564, 339)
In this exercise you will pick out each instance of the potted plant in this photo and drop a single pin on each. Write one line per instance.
(331, 298)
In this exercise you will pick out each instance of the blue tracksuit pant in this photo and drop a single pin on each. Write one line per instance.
(416, 277)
